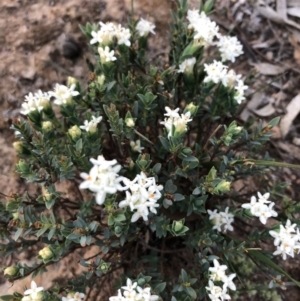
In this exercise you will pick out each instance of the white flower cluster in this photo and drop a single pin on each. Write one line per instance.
(63, 94)
(34, 293)
(143, 196)
(287, 240)
(221, 219)
(74, 297)
(217, 293)
(91, 126)
(217, 73)
(143, 27)
(103, 178)
(205, 29)
(176, 125)
(230, 48)
(106, 55)
(35, 102)
(41, 100)
(132, 292)
(108, 32)
(205, 32)
(260, 208)
(136, 146)
(187, 66)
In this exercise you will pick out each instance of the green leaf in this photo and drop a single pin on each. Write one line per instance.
(7, 298)
(191, 292)
(41, 231)
(160, 287)
(267, 261)
(170, 187)
(190, 162)
(184, 276)
(165, 143)
(110, 85)
(18, 233)
(274, 122)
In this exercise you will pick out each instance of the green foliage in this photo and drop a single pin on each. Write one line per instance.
(193, 161)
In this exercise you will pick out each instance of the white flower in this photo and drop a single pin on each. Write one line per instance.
(216, 292)
(176, 122)
(171, 113)
(63, 94)
(117, 298)
(129, 285)
(205, 29)
(35, 102)
(218, 271)
(105, 35)
(187, 66)
(103, 178)
(260, 208)
(221, 220)
(216, 72)
(34, 291)
(74, 297)
(143, 196)
(123, 35)
(143, 27)
(91, 126)
(230, 48)
(286, 240)
(106, 55)
(239, 94)
(227, 282)
(136, 146)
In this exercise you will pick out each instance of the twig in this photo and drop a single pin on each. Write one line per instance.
(142, 136)
(212, 134)
(158, 250)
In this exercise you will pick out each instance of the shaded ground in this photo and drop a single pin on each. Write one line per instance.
(41, 44)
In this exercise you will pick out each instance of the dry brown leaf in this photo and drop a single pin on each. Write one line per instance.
(290, 149)
(281, 8)
(293, 3)
(267, 110)
(256, 100)
(292, 110)
(269, 69)
(294, 39)
(269, 13)
(294, 11)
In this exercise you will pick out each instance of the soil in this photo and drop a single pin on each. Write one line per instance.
(41, 44)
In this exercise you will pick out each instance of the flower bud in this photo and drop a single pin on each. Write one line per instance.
(46, 253)
(178, 226)
(11, 271)
(191, 108)
(71, 81)
(16, 215)
(129, 122)
(74, 132)
(26, 298)
(39, 296)
(18, 146)
(101, 79)
(222, 187)
(47, 126)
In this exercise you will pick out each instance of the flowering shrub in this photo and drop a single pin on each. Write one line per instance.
(154, 154)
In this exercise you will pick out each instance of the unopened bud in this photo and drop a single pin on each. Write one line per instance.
(47, 126)
(11, 271)
(46, 253)
(71, 81)
(18, 146)
(191, 108)
(74, 132)
(101, 79)
(130, 122)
